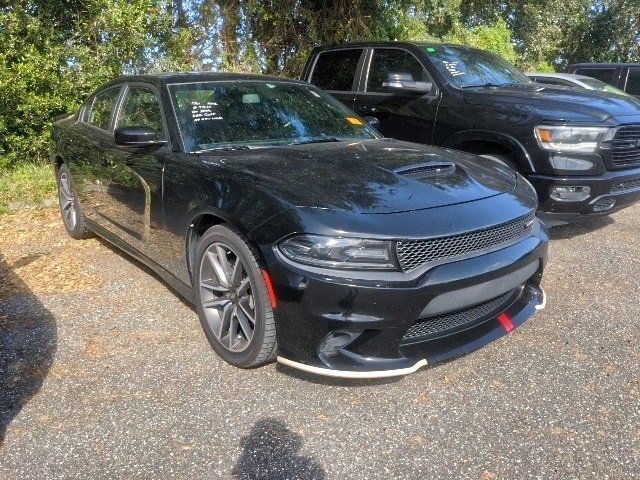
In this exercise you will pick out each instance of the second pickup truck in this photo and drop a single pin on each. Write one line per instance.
(579, 149)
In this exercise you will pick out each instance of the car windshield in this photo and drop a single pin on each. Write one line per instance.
(248, 114)
(596, 84)
(466, 67)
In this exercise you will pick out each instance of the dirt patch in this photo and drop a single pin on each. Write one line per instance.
(38, 251)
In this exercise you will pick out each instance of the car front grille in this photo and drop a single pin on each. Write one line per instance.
(626, 186)
(625, 147)
(467, 317)
(415, 253)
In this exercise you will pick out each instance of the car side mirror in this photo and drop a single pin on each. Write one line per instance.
(137, 137)
(404, 82)
(372, 121)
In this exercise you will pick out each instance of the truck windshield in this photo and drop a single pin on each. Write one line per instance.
(466, 67)
(248, 114)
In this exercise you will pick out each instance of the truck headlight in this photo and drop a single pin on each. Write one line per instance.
(570, 139)
(339, 252)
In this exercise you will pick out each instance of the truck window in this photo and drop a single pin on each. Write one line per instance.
(335, 70)
(393, 60)
(633, 82)
(604, 74)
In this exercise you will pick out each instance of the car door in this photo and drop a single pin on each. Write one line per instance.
(336, 71)
(133, 187)
(87, 166)
(403, 114)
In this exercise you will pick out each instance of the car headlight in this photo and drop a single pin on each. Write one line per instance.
(339, 252)
(570, 139)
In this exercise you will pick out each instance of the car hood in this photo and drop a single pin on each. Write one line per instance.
(557, 103)
(372, 176)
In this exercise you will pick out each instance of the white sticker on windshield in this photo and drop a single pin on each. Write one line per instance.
(204, 111)
(315, 94)
(452, 68)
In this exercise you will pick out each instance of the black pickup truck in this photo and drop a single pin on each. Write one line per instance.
(579, 149)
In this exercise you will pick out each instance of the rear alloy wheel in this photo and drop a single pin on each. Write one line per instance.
(72, 216)
(232, 299)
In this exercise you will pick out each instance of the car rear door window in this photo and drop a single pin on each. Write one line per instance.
(393, 60)
(633, 82)
(101, 109)
(141, 109)
(336, 70)
(604, 74)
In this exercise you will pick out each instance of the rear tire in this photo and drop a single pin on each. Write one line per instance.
(232, 299)
(72, 216)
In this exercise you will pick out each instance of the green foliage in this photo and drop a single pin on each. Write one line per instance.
(26, 185)
(53, 53)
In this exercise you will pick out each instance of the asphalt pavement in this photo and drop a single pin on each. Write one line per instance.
(105, 373)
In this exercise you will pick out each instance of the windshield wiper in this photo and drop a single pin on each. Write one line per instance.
(488, 84)
(316, 140)
(226, 148)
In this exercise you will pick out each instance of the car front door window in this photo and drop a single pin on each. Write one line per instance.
(141, 109)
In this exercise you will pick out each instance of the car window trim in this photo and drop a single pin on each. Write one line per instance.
(156, 93)
(626, 80)
(89, 105)
(356, 76)
(420, 62)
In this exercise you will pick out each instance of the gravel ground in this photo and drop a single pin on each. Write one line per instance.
(104, 373)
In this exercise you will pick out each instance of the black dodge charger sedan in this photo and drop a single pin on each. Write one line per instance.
(297, 230)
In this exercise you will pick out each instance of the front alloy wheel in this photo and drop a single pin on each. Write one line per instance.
(232, 300)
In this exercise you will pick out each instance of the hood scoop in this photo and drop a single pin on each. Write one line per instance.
(423, 170)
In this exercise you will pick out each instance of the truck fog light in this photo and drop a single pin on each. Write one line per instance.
(562, 162)
(570, 193)
(604, 204)
(334, 341)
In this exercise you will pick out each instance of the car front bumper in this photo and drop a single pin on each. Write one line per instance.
(354, 328)
(610, 192)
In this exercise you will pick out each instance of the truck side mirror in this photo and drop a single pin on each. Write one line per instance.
(403, 81)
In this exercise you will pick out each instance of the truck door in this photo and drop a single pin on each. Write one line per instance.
(400, 92)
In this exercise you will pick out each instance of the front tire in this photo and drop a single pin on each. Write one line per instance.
(72, 216)
(232, 299)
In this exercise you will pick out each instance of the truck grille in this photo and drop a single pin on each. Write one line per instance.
(433, 326)
(414, 253)
(625, 147)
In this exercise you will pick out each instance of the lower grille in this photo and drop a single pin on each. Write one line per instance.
(433, 326)
(414, 253)
(624, 186)
(625, 147)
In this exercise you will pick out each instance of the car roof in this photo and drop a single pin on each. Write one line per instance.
(189, 77)
(615, 65)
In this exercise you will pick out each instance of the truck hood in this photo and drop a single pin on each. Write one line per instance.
(372, 176)
(557, 103)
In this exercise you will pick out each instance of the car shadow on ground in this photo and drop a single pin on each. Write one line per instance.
(271, 451)
(580, 227)
(134, 261)
(28, 344)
